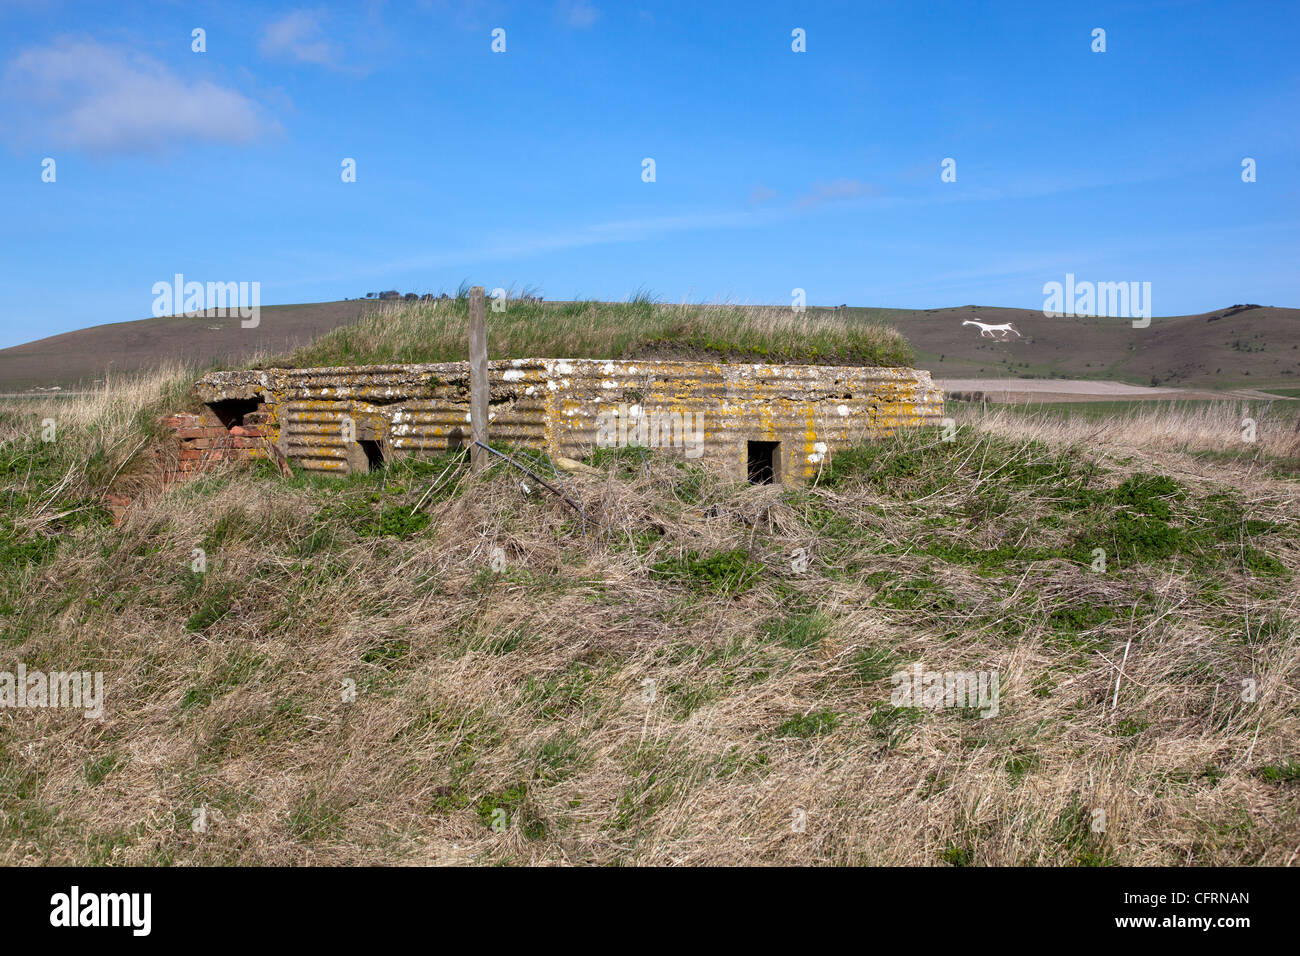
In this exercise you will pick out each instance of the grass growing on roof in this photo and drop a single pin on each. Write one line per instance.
(640, 328)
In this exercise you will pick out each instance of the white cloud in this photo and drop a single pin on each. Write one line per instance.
(577, 13)
(84, 94)
(300, 36)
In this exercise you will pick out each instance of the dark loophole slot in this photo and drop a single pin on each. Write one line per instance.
(231, 411)
(763, 459)
(374, 454)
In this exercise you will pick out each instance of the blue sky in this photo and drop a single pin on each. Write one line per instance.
(774, 169)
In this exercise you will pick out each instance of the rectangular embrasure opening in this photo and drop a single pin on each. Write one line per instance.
(374, 453)
(764, 458)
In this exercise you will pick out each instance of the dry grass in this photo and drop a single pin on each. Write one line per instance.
(1215, 427)
(641, 328)
(525, 689)
(61, 451)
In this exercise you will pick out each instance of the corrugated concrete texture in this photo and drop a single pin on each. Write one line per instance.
(343, 419)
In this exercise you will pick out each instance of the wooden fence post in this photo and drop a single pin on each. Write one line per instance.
(478, 379)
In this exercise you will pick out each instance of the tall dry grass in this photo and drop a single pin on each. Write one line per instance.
(1248, 429)
(76, 447)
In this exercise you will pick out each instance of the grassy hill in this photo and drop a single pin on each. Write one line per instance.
(425, 665)
(1237, 347)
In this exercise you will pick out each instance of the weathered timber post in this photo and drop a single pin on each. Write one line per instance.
(478, 380)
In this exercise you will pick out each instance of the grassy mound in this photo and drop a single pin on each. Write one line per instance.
(642, 328)
(421, 665)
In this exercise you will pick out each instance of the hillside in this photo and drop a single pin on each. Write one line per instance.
(78, 359)
(1254, 347)
(422, 665)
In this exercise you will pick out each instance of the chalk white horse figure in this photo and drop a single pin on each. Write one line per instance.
(986, 329)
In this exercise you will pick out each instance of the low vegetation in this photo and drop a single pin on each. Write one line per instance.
(421, 665)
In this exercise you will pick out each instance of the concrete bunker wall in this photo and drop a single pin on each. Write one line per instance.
(348, 419)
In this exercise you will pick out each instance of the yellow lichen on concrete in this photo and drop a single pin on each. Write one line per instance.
(319, 417)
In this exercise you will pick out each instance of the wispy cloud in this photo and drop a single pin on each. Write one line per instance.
(837, 190)
(300, 36)
(577, 13)
(762, 194)
(466, 14)
(85, 94)
(596, 234)
(506, 247)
